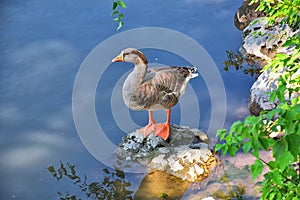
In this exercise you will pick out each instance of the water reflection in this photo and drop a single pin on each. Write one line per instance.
(234, 191)
(155, 185)
(231, 179)
(43, 44)
(160, 185)
(113, 185)
(237, 61)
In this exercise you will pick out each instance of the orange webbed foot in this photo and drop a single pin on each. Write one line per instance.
(162, 130)
(147, 129)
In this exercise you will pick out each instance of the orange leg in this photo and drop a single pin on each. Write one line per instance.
(148, 128)
(163, 130)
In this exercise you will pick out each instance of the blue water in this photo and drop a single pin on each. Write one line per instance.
(43, 44)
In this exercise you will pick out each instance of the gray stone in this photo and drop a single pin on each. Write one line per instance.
(185, 154)
(245, 14)
(266, 82)
(184, 162)
(261, 41)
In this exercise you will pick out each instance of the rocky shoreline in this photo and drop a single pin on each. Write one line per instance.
(260, 42)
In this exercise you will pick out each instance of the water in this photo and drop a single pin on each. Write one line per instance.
(43, 44)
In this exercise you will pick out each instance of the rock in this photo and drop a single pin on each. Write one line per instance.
(261, 41)
(185, 155)
(245, 14)
(259, 99)
(208, 198)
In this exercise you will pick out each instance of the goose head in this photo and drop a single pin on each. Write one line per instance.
(131, 55)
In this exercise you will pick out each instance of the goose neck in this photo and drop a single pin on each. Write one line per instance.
(139, 72)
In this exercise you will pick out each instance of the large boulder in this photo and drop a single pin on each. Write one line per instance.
(186, 154)
(259, 98)
(262, 41)
(245, 14)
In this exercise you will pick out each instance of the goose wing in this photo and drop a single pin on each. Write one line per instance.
(162, 87)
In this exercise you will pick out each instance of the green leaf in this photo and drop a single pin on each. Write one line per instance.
(255, 153)
(250, 120)
(281, 56)
(245, 132)
(114, 13)
(279, 148)
(218, 147)
(115, 5)
(273, 96)
(264, 143)
(122, 4)
(224, 150)
(229, 139)
(272, 195)
(270, 114)
(256, 169)
(221, 133)
(280, 92)
(293, 142)
(266, 187)
(255, 145)
(252, 2)
(276, 177)
(120, 25)
(246, 146)
(232, 150)
(236, 127)
(285, 160)
(272, 165)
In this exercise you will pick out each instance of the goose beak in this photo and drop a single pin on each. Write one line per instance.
(119, 58)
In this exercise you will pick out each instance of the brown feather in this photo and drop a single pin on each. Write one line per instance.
(153, 88)
(163, 87)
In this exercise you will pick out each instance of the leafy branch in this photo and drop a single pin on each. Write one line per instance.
(118, 17)
(255, 133)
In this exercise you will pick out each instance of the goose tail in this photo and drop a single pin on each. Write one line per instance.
(194, 73)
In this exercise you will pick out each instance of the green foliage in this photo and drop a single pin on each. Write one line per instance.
(118, 17)
(286, 11)
(252, 135)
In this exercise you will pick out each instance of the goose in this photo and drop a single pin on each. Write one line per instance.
(153, 89)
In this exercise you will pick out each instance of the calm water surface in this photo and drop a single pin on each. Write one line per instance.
(43, 44)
